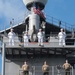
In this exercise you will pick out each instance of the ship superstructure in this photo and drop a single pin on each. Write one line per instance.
(34, 54)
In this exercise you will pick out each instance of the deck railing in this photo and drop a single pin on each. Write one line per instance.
(49, 19)
(37, 70)
(53, 70)
(49, 38)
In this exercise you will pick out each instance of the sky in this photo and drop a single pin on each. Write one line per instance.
(15, 9)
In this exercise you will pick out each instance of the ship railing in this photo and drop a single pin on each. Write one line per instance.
(49, 19)
(16, 21)
(50, 38)
(59, 23)
(53, 70)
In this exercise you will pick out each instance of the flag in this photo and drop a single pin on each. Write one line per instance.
(38, 11)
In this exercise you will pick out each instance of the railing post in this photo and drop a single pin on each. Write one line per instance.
(52, 70)
(52, 20)
(59, 23)
(65, 27)
(3, 59)
(33, 70)
(72, 70)
(72, 32)
(12, 21)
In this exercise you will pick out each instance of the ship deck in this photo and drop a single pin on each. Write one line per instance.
(35, 45)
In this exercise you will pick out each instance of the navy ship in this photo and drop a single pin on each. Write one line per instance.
(13, 57)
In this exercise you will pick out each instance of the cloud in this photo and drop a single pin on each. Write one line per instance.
(11, 9)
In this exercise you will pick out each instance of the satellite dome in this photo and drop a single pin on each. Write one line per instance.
(40, 3)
